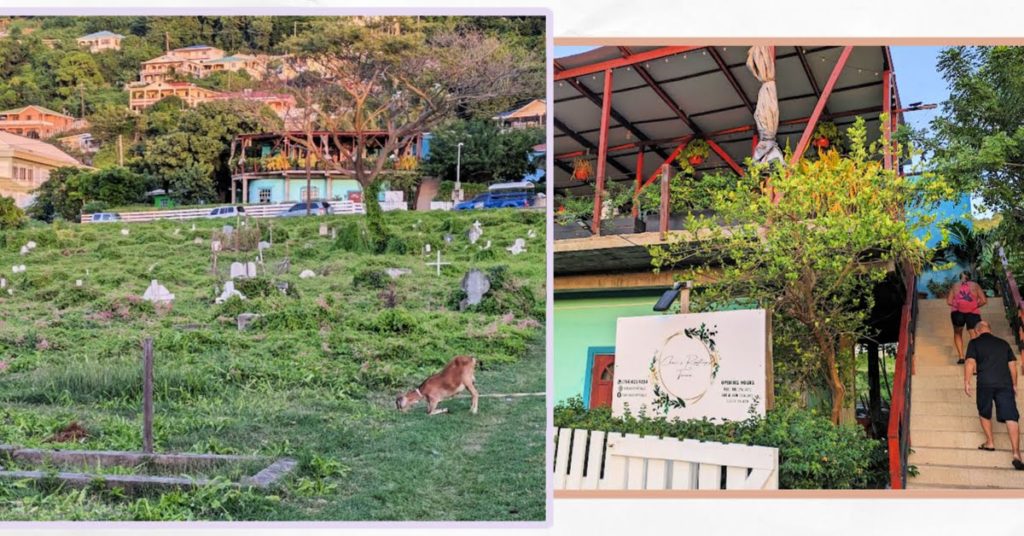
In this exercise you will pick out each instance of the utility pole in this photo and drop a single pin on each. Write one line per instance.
(81, 96)
(167, 42)
(309, 149)
(120, 150)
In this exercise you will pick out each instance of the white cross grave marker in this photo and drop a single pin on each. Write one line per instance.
(438, 263)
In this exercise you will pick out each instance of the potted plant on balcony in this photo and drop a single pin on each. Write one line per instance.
(826, 134)
(582, 169)
(696, 152)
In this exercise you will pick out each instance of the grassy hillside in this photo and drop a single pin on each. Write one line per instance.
(314, 378)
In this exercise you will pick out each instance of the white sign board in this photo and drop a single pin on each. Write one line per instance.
(692, 366)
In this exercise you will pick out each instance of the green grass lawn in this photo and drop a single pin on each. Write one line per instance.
(314, 378)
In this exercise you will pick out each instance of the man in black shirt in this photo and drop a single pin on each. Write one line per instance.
(996, 365)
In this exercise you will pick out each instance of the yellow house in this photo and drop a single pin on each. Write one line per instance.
(100, 41)
(25, 164)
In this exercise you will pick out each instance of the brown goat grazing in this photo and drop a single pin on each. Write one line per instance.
(456, 376)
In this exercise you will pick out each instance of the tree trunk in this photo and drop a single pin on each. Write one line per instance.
(835, 382)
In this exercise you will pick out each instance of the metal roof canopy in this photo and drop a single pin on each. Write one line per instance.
(660, 96)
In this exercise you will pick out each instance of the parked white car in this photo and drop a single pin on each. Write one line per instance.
(227, 212)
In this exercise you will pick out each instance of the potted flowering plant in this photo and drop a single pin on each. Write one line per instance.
(696, 152)
(582, 169)
(825, 135)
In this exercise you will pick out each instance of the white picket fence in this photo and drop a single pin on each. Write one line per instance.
(253, 211)
(594, 460)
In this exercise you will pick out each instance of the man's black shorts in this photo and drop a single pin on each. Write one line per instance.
(1006, 406)
(959, 319)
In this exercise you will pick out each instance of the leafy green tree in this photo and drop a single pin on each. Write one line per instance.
(11, 216)
(190, 183)
(488, 153)
(61, 196)
(814, 256)
(113, 186)
(978, 141)
(77, 71)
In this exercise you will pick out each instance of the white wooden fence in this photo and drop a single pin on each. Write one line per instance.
(253, 211)
(593, 460)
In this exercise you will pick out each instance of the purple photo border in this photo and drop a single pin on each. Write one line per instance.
(549, 342)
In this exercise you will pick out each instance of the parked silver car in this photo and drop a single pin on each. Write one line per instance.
(316, 208)
(101, 217)
(227, 212)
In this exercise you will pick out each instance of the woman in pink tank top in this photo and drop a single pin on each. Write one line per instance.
(965, 300)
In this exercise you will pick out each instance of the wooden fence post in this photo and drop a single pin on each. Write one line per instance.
(147, 395)
(665, 206)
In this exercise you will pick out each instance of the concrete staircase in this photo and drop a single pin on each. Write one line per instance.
(944, 428)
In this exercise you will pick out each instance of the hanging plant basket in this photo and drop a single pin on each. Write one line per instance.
(825, 135)
(696, 152)
(582, 169)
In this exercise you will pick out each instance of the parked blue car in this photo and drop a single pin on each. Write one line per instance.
(504, 195)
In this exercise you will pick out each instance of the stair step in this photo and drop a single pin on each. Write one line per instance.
(961, 457)
(948, 423)
(953, 409)
(977, 477)
(958, 440)
(948, 394)
(926, 382)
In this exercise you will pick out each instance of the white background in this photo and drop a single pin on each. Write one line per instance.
(691, 19)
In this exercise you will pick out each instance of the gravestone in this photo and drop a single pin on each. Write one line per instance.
(244, 271)
(157, 293)
(438, 263)
(475, 284)
(177, 231)
(24, 250)
(3, 283)
(229, 291)
(124, 232)
(306, 274)
(78, 282)
(215, 245)
(323, 229)
(227, 230)
(245, 319)
(283, 287)
(426, 249)
(198, 240)
(263, 245)
(18, 268)
(475, 232)
(518, 247)
(31, 245)
(395, 273)
(193, 227)
(334, 233)
(531, 234)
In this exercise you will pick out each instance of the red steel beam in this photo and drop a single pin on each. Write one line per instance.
(887, 110)
(725, 156)
(667, 162)
(642, 57)
(826, 92)
(602, 152)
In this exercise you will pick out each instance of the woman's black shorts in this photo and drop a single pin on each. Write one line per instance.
(960, 319)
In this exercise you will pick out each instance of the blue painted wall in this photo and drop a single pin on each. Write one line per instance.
(946, 212)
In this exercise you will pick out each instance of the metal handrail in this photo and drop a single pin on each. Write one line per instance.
(898, 436)
(1011, 298)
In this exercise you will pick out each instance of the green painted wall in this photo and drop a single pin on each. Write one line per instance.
(586, 321)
